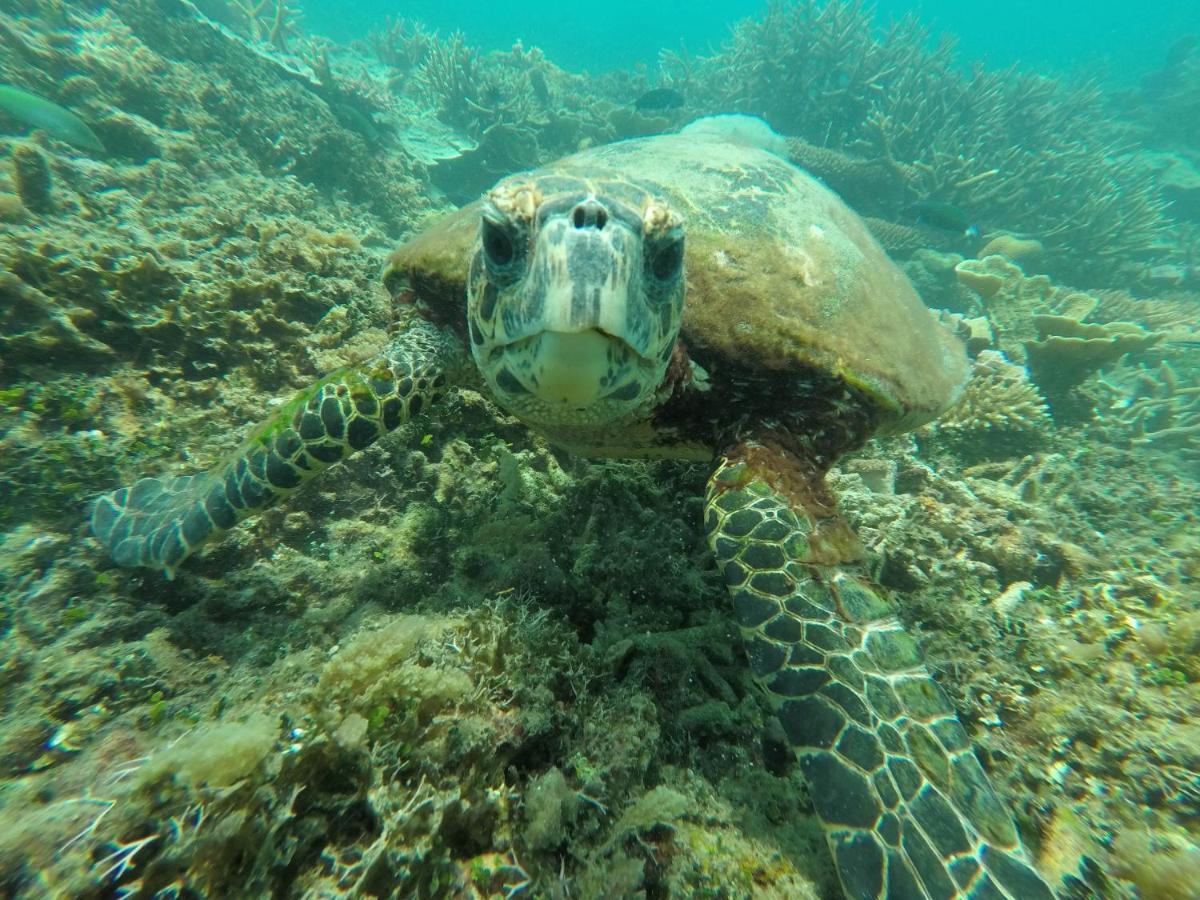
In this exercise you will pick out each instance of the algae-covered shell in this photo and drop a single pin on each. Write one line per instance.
(782, 276)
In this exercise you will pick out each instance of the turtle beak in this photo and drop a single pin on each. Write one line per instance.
(574, 368)
(571, 366)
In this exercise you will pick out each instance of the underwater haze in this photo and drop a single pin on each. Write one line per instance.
(1105, 38)
(599, 450)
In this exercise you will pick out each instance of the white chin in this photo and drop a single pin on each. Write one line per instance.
(570, 368)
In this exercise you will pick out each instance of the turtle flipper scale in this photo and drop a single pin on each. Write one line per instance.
(908, 812)
(159, 522)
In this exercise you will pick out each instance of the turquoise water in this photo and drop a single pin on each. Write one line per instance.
(728, 451)
(1056, 36)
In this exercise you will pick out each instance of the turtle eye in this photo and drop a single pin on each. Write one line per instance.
(667, 259)
(497, 244)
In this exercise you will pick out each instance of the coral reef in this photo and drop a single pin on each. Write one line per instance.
(1156, 408)
(167, 268)
(273, 21)
(1067, 350)
(496, 112)
(1047, 327)
(890, 117)
(1015, 248)
(413, 754)
(401, 44)
(469, 665)
(1000, 414)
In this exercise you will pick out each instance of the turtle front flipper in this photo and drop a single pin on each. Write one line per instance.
(159, 522)
(908, 811)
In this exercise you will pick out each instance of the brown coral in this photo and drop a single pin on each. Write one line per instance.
(998, 397)
(1067, 351)
(898, 238)
(984, 276)
(1015, 248)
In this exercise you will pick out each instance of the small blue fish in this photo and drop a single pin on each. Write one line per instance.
(49, 116)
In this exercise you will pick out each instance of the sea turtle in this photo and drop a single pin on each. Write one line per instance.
(690, 295)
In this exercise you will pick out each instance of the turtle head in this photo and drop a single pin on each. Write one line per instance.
(575, 298)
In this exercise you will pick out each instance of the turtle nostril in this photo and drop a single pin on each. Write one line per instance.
(589, 214)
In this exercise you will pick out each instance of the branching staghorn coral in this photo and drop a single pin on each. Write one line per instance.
(450, 75)
(1156, 408)
(273, 21)
(401, 43)
(1176, 316)
(475, 93)
(1000, 397)
(860, 180)
(676, 67)
(1017, 151)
